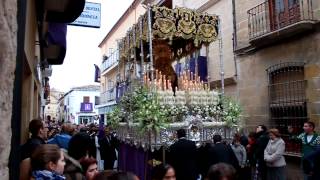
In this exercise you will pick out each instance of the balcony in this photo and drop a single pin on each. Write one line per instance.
(274, 20)
(110, 62)
(108, 96)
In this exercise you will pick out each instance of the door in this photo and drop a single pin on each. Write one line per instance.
(283, 13)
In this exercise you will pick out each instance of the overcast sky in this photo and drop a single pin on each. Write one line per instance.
(82, 48)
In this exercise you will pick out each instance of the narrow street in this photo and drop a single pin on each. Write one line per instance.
(160, 90)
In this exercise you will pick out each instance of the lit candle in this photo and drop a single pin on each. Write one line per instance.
(167, 84)
(157, 74)
(161, 81)
(188, 75)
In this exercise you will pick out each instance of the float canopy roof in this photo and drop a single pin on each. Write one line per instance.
(182, 30)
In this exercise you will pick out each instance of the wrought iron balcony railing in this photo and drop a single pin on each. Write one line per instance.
(107, 96)
(110, 61)
(274, 15)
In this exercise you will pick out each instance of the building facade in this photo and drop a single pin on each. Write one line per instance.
(26, 56)
(51, 110)
(8, 54)
(44, 44)
(79, 105)
(33, 82)
(277, 54)
(111, 71)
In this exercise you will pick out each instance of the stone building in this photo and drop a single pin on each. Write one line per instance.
(26, 55)
(277, 54)
(8, 53)
(277, 50)
(52, 107)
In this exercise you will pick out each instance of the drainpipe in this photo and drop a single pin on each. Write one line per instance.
(14, 157)
(235, 44)
(235, 37)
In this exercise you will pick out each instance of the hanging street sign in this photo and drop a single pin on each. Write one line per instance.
(90, 17)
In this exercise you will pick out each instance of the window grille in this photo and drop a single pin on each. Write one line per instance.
(287, 101)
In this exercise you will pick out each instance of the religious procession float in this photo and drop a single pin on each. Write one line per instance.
(157, 98)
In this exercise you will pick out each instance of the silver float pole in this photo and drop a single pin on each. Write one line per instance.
(128, 78)
(150, 47)
(118, 76)
(141, 51)
(134, 53)
(221, 56)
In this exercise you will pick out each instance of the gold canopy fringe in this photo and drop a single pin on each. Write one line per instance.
(183, 29)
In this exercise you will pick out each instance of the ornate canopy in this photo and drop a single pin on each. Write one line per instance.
(181, 30)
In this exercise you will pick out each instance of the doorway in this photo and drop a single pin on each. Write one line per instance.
(283, 13)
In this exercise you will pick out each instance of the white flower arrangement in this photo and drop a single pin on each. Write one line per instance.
(176, 112)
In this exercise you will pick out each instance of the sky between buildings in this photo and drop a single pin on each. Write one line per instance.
(82, 48)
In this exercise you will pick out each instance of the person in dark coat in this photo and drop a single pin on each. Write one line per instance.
(311, 164)
(39, 133)
(221, 153)
(108, 145)
(182, 157)
(203, 162)
(221, 171)
(262, 139)
(78, 148)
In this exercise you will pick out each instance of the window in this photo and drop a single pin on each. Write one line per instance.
(283, 13)
(96, 100)
(110, 84)
(287, 101)
(86, 99)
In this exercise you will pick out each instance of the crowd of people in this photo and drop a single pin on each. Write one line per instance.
(258, 156)
(76, 152)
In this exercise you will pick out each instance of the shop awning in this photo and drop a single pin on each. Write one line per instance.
(56, 43)
(63, 11)
(53, 17)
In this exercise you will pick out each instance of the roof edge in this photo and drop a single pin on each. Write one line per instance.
(133, 5)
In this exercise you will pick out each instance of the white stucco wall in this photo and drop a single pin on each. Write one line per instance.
(73, 102)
